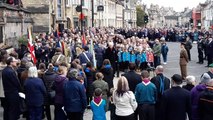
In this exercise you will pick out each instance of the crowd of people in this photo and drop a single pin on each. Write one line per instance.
(75, 71)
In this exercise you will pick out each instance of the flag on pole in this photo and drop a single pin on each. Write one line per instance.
(30, 45)
(84, 41)
(92, 51)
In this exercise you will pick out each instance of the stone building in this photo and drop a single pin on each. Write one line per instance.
(14, 22)
(47, 14)
(129, 13)
(171, 21)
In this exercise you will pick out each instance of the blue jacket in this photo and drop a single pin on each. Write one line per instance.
(34, 91)
(75, 99)
(132, 58)
(164, 49)
(83, 58)
(98, 110)
(126, 56)
(143, 57)
(138, 57)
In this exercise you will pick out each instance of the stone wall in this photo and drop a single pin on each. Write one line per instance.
(34, 2)
(15, 24)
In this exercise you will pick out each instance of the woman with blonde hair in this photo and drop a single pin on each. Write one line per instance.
(34, 91)
(124, 101)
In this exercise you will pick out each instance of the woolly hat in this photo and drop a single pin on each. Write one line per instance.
(73, 73)
(205, 78)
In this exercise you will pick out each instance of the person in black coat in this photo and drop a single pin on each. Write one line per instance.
(205, 104)
(176, 101)
(162, 83)
(209, 50)
(132, 77)
(107, 71)
(111, 54)
(12, 87)
(190, 83)
(200, 48)
(188, 47)
(99, 55)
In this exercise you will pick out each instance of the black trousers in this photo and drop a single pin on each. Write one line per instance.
(112, 111)
(129, 117)
(47, 112)
(200, 56)
(189, 54)
(146, 112)
(12, 107)
(75, 115)
(209, 59)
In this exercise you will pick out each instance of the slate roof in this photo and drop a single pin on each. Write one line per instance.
(171, 17)
(12, 7)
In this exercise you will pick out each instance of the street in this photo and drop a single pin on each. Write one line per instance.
(171, 68)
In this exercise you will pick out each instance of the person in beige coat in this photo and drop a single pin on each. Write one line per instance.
(183, 61)
(58, 58)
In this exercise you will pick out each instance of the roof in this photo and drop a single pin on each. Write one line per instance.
(12, 7)
(172, 17)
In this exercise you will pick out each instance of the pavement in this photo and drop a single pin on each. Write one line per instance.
(172, 67)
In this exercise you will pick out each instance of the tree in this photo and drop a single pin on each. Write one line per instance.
(140, 16)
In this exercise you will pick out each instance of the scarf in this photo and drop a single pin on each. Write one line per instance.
(97, 100)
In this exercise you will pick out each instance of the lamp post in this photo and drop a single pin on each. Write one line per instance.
(92, 1)
(81, 18)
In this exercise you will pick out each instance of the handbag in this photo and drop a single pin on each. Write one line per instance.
(23, 106)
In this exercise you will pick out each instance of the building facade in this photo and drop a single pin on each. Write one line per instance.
(47, 15)
(14, 22)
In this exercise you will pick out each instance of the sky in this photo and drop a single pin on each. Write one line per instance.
(178, 5)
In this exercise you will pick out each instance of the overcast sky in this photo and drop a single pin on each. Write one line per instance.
(178, 5)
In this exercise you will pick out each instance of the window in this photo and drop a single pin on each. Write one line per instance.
(76, 2)
(59, 10)
(68, 3)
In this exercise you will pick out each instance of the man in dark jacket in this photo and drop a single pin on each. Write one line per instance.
(12, 88)
(111, 54)
(209, 49)
(188, 47)
(85, 56)
(162, 83)
(200, 48)
(176, 101)
(132, 77)
(75, 100)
